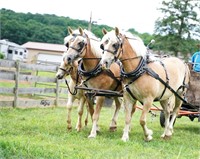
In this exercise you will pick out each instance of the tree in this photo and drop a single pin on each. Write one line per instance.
(179, 23)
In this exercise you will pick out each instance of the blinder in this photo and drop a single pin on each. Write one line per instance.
(116, 47)
(81, 47)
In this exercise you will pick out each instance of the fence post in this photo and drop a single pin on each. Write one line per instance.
(16, 89)
(57, 92)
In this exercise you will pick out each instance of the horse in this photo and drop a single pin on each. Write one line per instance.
(145, 80)
(68, 70)
(86, 47)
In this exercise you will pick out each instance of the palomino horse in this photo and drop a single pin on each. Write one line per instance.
(86, 47)
(144, 80)
(65, 70)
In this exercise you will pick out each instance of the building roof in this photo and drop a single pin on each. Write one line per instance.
(44, 46)
(10, 44)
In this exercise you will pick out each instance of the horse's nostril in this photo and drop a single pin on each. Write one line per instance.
(106, 64)
(69, 59)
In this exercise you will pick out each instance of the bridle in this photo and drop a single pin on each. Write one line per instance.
(67, 71)
(118, 49)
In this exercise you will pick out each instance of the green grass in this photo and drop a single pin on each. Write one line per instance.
(41, 134)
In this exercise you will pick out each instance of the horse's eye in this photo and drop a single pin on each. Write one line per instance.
(116, 46)
(67, 44)
(81, 44)
(102, 47)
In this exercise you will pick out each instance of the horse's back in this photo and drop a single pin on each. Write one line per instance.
(176, 70)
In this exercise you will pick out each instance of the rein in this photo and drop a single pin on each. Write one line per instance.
(66, 82)
(66, 71)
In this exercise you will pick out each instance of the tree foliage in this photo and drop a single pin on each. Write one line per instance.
(49, 28)
(177, 27)
(21, 27)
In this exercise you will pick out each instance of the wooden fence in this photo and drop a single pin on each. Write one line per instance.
(29, 89)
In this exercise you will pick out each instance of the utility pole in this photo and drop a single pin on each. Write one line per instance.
(90, 22)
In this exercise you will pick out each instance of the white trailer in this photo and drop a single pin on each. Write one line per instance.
(13, 51)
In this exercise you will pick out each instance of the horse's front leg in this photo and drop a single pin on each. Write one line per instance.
(80, 113)
(96, 114)
(70, 101)
(147, 132)
(113, 124)
(129, 110)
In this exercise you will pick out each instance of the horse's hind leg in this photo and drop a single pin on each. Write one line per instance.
(174, 113)
(96, 114)
(90, 109)
(113, 124)
(147, 132)
(167, 106)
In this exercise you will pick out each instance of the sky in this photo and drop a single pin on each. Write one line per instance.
(124, 14)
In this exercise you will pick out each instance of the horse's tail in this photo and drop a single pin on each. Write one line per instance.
(186, 79)
(187, 75)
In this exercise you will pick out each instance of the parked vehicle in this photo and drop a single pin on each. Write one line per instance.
(13, 51)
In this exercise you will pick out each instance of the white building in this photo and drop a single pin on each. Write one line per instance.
(13, 51)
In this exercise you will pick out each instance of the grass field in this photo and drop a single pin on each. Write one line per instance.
(41, 134)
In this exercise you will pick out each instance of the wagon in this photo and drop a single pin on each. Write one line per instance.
(190, 109)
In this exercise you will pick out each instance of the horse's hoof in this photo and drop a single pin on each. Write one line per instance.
(113, 129)
(125, 139)
(69, 128)
(91, 136)
(166, 137)
(148, 138)
(78, 129)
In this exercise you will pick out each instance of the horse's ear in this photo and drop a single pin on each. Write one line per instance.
(80, 30)
(104, 31)
(116, 31)
(70, 31)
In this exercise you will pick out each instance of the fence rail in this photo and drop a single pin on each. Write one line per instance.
(24, 79)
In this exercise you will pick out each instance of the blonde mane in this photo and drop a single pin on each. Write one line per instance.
(136, 43)
(95, 43)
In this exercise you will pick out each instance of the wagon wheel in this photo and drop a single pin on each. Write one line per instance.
(162, 119)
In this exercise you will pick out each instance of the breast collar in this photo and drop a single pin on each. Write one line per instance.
(92, 73)
(135, 74)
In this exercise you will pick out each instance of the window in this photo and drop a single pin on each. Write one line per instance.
(16, 52)
(21, 53)
(10, 51)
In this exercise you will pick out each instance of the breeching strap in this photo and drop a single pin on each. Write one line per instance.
(156, 76)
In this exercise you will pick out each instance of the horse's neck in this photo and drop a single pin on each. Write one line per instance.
(90, 61)
(73, 74)
(129, 57)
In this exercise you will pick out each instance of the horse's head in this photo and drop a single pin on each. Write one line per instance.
(111, 44)
(65, 69)
(76, 48)
(117, 45)
(83, 42)
(70, 38)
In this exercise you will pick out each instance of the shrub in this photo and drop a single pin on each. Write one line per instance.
(2, 55)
